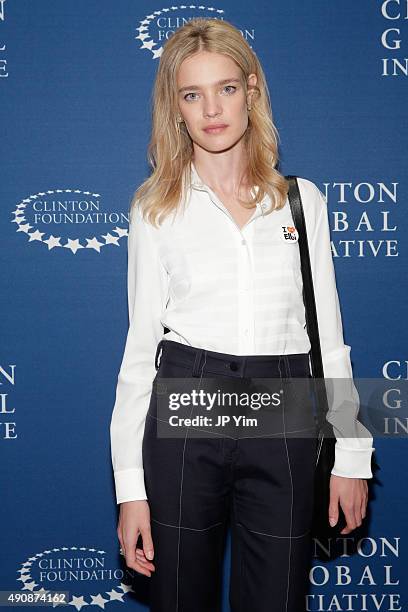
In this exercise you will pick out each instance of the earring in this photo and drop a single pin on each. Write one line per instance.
(248, 108)
(179, 119)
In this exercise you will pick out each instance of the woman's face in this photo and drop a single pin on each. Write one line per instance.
(211, 91)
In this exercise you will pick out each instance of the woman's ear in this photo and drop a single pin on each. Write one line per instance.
(251, 82)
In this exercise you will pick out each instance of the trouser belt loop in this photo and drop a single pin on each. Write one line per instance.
(288, 373)
(244, 367)
(197, 360)
(156, 362)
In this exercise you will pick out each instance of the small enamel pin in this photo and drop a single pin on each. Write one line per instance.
(289, 233)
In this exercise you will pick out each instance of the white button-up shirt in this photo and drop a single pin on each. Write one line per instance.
(231, 290)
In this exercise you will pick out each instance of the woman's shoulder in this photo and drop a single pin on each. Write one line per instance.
(313, 200)
(311, 191)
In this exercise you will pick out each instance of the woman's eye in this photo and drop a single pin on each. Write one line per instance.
(230, 89)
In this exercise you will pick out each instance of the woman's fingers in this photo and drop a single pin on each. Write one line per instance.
(134, 520)
(140, 556)
(133, 562)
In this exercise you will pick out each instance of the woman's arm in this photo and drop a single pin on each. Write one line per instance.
(147, 282)
(353, 448)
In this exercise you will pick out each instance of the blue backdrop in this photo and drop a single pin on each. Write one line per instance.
(75, 86)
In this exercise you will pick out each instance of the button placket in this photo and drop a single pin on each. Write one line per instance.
(245, 294)
(246, 324)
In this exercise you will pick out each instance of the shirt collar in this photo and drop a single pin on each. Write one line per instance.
(197, 183)
(194, 177)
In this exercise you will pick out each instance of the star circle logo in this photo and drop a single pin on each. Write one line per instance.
(78, 571)
(71, 219)
(165, 21)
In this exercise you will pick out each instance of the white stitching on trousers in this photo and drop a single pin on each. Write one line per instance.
(291, 484)
(271, 535)
(183, 527)
(181, 494)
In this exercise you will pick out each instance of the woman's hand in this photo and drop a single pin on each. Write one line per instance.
(352, 493)
(134, 519)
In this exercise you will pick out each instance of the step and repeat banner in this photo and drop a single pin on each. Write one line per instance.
(75, 87)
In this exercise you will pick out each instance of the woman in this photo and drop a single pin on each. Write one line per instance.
(209, 261)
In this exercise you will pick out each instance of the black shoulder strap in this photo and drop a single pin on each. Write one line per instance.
(295, 202)
(296, 207)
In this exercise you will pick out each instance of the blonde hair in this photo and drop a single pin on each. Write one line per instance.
(170, 149)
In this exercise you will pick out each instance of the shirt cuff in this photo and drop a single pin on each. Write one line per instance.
(129, 485)
(352, 462)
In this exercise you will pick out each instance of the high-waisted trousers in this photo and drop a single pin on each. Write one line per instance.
(259, 486)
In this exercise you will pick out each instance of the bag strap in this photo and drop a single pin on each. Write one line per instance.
(312, 325)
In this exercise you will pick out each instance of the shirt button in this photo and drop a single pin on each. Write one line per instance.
(245, 332)
(243, 242)
(234, 366)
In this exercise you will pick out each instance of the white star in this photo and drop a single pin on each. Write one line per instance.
(29, 586)
(109, 239)
(24, 577)
(125, 587)
(52, 242)
(141, 36)
(36, 236)
(99, 601)
(74, 245)
(43, 591)
(94, 244)
(157, 52)
(114, 595)
(120, 231)
(24, 228)
(78, 602)
(148, 45)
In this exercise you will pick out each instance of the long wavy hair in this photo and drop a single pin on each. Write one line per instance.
(170, 149)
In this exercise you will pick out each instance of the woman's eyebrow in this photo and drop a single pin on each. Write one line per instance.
(189, 87)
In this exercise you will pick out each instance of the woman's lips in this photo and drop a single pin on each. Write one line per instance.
(215, 130)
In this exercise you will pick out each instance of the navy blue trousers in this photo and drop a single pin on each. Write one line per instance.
(259, 486)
